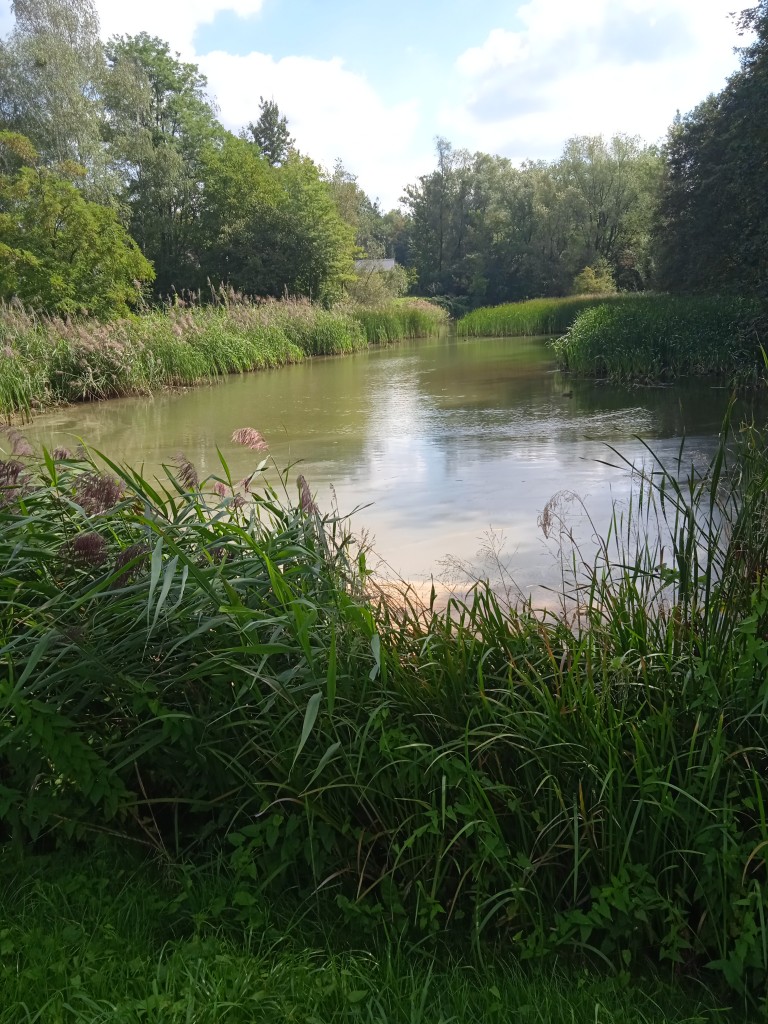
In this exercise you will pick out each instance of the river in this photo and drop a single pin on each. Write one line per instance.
(448, 444)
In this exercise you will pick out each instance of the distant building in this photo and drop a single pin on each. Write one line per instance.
(373, 266)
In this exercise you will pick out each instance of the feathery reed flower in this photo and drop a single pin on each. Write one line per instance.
(250, 438)
(12, 481)
(87, 549)
(187, 474)
(19, 444)
(59, 454)
(305, 496)
(98, 492)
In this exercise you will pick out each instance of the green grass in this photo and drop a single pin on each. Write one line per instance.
(49, 361)
(661, 338)
(404, 318)
(534, 317)
(114, 938)
(198, 668)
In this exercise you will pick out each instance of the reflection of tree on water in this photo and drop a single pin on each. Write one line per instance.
(426, 436)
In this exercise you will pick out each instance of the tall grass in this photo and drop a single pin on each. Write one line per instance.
(530, 318)
(408, 318)
(663, 337)
(204, 673)
(111, 938)
(46, 361)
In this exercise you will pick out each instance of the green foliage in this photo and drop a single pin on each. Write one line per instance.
(661, 338)
(372, 287)
(63, 254)
(198, 673)
(50, 69)
(161, 123)
(110, 937)
(270, 133)
(484, 229)
(596, 280)
(536, 317)
(712, 231)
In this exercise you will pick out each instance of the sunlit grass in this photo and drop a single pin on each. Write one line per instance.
(48, 361)
(534, 317)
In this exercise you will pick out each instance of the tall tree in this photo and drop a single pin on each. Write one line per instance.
(712, 230)
(270, 133)
(357, 210)
(160, 123)
(51, 68)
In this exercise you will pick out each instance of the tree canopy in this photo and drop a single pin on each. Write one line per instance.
(124, 141)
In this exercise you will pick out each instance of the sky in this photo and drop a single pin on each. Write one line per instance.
(374, 83)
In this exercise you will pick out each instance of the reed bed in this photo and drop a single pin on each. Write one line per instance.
(661, 338)
(49, 361)
(534, 317)
(408, 318)
(196, 667)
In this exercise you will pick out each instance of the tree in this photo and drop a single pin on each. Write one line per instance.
(270, 133)
(712, 227)
(51, 69)
(357, 210)
(240, 193)
(60, 253)
(610, 188)
(160, 124)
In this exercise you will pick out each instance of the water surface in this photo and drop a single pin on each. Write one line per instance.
(442, 441)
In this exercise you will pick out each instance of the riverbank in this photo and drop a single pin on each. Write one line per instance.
(628, 338)
(47, 361)
(199, 670)
(532, 318)
(663, 337)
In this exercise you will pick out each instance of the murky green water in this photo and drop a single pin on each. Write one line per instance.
(442, 440)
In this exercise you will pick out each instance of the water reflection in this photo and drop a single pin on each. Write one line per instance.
(442, 440)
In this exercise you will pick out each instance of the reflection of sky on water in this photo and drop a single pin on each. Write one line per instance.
(441, 440)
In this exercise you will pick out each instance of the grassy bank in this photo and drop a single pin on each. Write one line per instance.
(662, 337)
(531, 318)
(118, 938)
(199, 669)
(402, 318)
(48, 361)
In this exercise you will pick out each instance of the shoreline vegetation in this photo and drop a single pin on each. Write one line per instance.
(200, 669)
(640, 338)
(47, 361)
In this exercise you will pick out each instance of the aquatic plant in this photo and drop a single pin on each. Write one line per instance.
(200, 669)
(530, 318)
(48, 360)
(664, 337)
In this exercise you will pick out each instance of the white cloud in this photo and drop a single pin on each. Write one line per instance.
(332, 112)
(576, 69)
(174, 21)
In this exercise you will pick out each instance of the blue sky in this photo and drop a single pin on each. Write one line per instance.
(374, 83)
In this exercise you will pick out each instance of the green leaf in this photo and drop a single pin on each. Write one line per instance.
(310, 716)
